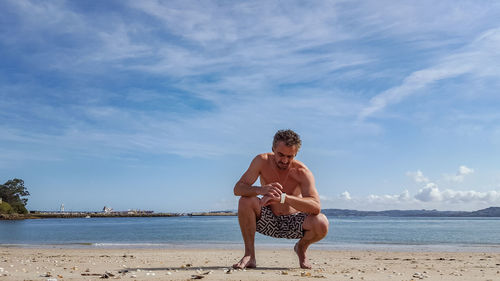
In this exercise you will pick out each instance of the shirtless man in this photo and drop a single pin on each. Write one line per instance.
(289, 207)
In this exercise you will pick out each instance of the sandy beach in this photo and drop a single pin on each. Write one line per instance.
(214, 264)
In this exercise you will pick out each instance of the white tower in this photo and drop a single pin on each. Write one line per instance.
(62, 207)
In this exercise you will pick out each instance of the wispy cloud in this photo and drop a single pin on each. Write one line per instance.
(479, 59)
(231, 59)
(222, 62)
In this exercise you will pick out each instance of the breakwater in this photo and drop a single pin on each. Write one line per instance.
(69, 215)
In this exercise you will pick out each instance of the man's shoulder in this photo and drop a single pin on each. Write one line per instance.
(263, 156)
(301, 168)
(260, 160)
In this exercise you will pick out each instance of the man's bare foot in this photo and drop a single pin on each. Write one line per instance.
(302, 257)
(245, 262)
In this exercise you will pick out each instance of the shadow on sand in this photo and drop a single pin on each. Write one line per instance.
(203, 268)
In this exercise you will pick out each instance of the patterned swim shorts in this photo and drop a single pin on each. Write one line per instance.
(286, 226)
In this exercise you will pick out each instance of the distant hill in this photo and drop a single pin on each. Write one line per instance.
(488, 212)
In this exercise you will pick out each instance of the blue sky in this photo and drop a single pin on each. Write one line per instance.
(162, 105)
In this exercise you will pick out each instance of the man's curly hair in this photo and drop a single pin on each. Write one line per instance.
(289, 137)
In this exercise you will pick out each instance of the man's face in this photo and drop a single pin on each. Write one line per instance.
(284, 154)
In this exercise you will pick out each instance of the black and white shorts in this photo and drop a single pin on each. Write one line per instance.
(286, 226)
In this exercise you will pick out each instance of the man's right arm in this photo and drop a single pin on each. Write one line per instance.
(244, 186)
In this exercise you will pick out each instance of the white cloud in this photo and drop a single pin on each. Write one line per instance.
(417, 176)
(429, 193)
(460, 175)
(432, 193)
(345, 195)
(428, 197)
(492, 197)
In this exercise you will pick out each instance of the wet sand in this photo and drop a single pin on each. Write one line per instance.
(214, 264)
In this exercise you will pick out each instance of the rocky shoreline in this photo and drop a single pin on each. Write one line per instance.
(15, 217)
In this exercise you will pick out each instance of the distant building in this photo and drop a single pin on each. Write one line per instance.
(62, 208)
(107, 210)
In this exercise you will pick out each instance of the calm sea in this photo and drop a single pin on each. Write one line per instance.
(382, 233)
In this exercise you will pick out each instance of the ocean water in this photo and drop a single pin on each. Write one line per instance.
(378, 233)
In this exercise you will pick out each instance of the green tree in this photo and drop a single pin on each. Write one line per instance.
(14, 192)
(5, 208)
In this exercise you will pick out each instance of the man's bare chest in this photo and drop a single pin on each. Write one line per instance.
(288, 181)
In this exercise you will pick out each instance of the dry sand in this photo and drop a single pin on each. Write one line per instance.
(214, 264)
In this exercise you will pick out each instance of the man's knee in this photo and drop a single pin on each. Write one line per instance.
(319, 224)
(323, 224)
(247, 202)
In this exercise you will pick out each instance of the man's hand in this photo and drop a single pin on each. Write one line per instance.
(273, 189)
(269, 200)
(272, 194)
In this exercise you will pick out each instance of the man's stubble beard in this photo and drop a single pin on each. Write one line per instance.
(282, 166)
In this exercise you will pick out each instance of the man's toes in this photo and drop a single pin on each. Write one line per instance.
(239, 265)
(245, 263)
(305, 266)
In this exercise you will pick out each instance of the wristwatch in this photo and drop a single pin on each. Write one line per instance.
(282, 199)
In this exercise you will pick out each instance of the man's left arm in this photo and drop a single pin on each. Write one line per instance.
(309, 202)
